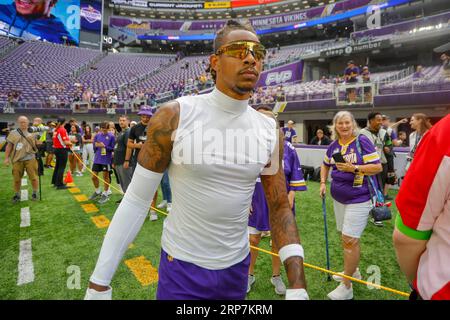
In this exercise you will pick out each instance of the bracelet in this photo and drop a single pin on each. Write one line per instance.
(291, 250)
(127, 160)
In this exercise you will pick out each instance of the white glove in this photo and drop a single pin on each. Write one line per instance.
(92, 294)
(296, 294)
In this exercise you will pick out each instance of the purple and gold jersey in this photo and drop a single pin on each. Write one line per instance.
(259, 219)
(342, 189)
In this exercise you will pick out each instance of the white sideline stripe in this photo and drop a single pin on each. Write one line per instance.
(25, 217)
(26, 268)
(24, 195)
(24, 182)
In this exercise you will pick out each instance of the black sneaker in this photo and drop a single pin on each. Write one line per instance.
(16, 198)
(34, 197)
(63, 187)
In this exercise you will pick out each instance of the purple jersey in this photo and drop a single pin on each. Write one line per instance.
(288, 134)
(292, 171)
(351, 74)
(259, 219)
(109, 141)
(342, 189)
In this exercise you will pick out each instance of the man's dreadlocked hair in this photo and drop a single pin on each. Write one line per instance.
(231, 25)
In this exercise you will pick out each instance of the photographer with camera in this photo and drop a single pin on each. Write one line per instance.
(21, 152)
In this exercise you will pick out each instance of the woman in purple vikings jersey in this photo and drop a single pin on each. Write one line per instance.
(350, 191)
(259, 213)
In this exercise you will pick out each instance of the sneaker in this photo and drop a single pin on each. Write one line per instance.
(95, 195)
(341, 293)
(153, 216)
(377, 223)
(163, 204)
(251, 281)
(16, 198)
(79, 174)
(63, 187)
(34, 197)
(265, 234)
(278, 283)
(104, 198)
(108, 193)
(169, 207)
(356, 275)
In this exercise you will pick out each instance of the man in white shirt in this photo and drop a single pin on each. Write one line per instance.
(205, 248)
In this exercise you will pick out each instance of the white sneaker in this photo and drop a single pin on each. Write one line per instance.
(163, 204)
(251, 281)
(356, 275)
(279, 285)
(377, 223)
(108, 193)
(153, 216)
(169, 207)
(341, 293)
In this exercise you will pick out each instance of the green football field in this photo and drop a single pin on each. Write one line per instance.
(66, 243)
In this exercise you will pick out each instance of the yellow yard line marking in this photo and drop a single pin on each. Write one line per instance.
(101, 221)
(89, 207)
(74, 190)
(81, 198)
(71, 184)
(143, 270)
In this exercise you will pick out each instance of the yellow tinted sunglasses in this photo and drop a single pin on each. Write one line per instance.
(241, 49)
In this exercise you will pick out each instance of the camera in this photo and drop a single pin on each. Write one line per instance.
(34, 129)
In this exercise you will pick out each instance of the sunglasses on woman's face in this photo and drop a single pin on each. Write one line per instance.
(241, 49)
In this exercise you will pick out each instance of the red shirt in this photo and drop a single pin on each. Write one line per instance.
(60, 136)
(424, 206)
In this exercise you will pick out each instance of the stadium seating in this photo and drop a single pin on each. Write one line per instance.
(36, 62)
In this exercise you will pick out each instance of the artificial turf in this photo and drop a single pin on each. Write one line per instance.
(65, 241)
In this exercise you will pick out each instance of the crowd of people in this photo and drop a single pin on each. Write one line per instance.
(108, 150)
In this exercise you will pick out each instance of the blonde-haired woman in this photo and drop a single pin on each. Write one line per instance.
(420, 123)
(349, 190)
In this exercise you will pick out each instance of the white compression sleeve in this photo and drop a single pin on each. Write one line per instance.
(126, 223)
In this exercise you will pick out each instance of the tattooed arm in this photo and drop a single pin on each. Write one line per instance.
(282, 221)
(155, 153)
(129, 217)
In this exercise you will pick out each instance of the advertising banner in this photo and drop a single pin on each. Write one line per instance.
(246, 3)
(375, 45)
(91, 15)
(284, 74)
(59, 22)
(218, 5)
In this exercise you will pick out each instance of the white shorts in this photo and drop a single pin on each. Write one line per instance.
(351, 219)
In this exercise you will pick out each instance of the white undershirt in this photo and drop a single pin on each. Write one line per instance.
(208, 222)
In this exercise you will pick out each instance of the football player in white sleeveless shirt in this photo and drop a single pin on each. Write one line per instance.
(206, 143)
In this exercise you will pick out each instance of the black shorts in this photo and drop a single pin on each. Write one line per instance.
(49, 147)
(97, 167)
(384, 174)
